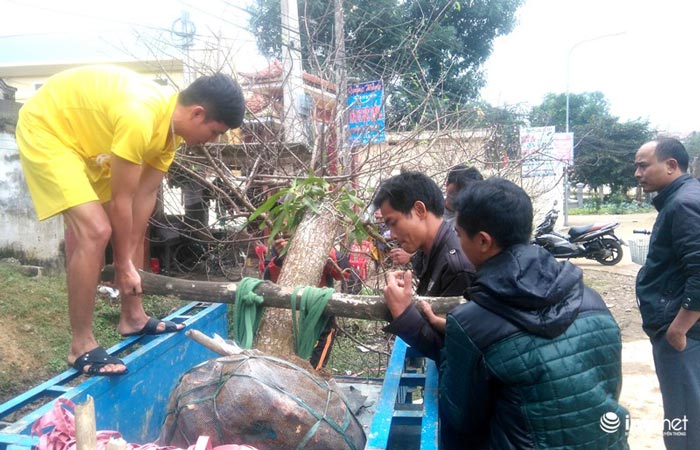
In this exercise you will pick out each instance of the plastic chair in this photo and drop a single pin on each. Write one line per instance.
(359, 258)
(260, 252)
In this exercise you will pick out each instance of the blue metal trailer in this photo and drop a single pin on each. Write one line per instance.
(135, 404)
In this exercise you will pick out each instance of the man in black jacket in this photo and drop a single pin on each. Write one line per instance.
(459, 177)
(668, 286)
(532, 361)
(412, 207)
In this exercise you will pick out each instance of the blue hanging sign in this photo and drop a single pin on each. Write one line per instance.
(366, 113)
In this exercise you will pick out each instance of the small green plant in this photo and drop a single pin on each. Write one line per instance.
(286, 208)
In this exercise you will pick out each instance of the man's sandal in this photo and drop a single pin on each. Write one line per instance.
(151, 328)
(97, 359)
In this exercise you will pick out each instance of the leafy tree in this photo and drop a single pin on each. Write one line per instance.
(429, 53)
(584, 110)
(604, 148)
(503, 142)
(605, 156)
(692, 144)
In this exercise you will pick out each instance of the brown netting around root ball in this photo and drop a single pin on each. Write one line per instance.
(261, 401)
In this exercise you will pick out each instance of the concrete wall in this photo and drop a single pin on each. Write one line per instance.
(8, 110)
(433, 153)
(21, 234)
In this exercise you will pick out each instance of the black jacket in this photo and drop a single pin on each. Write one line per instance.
(670, 278)
(532, 361)
(445, 272)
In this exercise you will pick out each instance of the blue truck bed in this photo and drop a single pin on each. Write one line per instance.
(134, 404)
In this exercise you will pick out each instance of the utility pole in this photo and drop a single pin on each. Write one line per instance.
(341, 85)
(183, 30)
(292, 84)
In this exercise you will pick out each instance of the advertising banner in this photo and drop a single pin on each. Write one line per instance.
(366, 113)
(536, 147)
(564, 147)
(544, 152)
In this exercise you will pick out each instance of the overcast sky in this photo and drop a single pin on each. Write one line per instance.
(126, 25)
(648, 71)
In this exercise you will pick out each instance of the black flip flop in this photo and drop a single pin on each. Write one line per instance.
(97, 359)
(151, 328)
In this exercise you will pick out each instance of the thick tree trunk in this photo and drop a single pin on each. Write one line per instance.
(303, 266)
(369, 307)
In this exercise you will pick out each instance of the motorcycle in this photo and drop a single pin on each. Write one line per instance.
(594, 241)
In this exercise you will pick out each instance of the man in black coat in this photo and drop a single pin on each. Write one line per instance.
(412, 207)
(533, 360)
(668, 286)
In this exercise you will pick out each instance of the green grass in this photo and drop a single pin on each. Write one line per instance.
(35, 328)
(591, 207)
(361, 349)
(36, 333)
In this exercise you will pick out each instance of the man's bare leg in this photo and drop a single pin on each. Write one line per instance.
(133, 316)
(87, 234)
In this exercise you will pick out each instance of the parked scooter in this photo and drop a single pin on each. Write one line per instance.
(594, 241)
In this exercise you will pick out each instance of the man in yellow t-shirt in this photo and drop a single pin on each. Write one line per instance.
(95, 143)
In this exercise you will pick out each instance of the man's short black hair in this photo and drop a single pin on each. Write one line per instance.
(221, 97)
(667, 148)
(497, 206)
(404, 190)
(461, 175)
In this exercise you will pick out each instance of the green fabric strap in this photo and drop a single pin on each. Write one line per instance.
(248, 312)
(309, 321)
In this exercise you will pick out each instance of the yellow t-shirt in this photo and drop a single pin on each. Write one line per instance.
(93, 112)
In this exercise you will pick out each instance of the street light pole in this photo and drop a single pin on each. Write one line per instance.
(293, 86)
(568, 74)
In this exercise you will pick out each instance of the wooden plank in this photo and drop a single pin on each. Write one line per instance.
(85, 427)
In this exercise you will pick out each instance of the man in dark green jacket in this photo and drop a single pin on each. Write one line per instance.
(668, 287)
(533, 360)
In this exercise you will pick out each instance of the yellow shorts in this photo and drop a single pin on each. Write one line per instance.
(58, 177)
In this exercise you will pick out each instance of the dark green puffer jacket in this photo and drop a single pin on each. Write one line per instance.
(532, 362)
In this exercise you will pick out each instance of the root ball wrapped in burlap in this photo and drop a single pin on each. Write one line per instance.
(261, 401)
